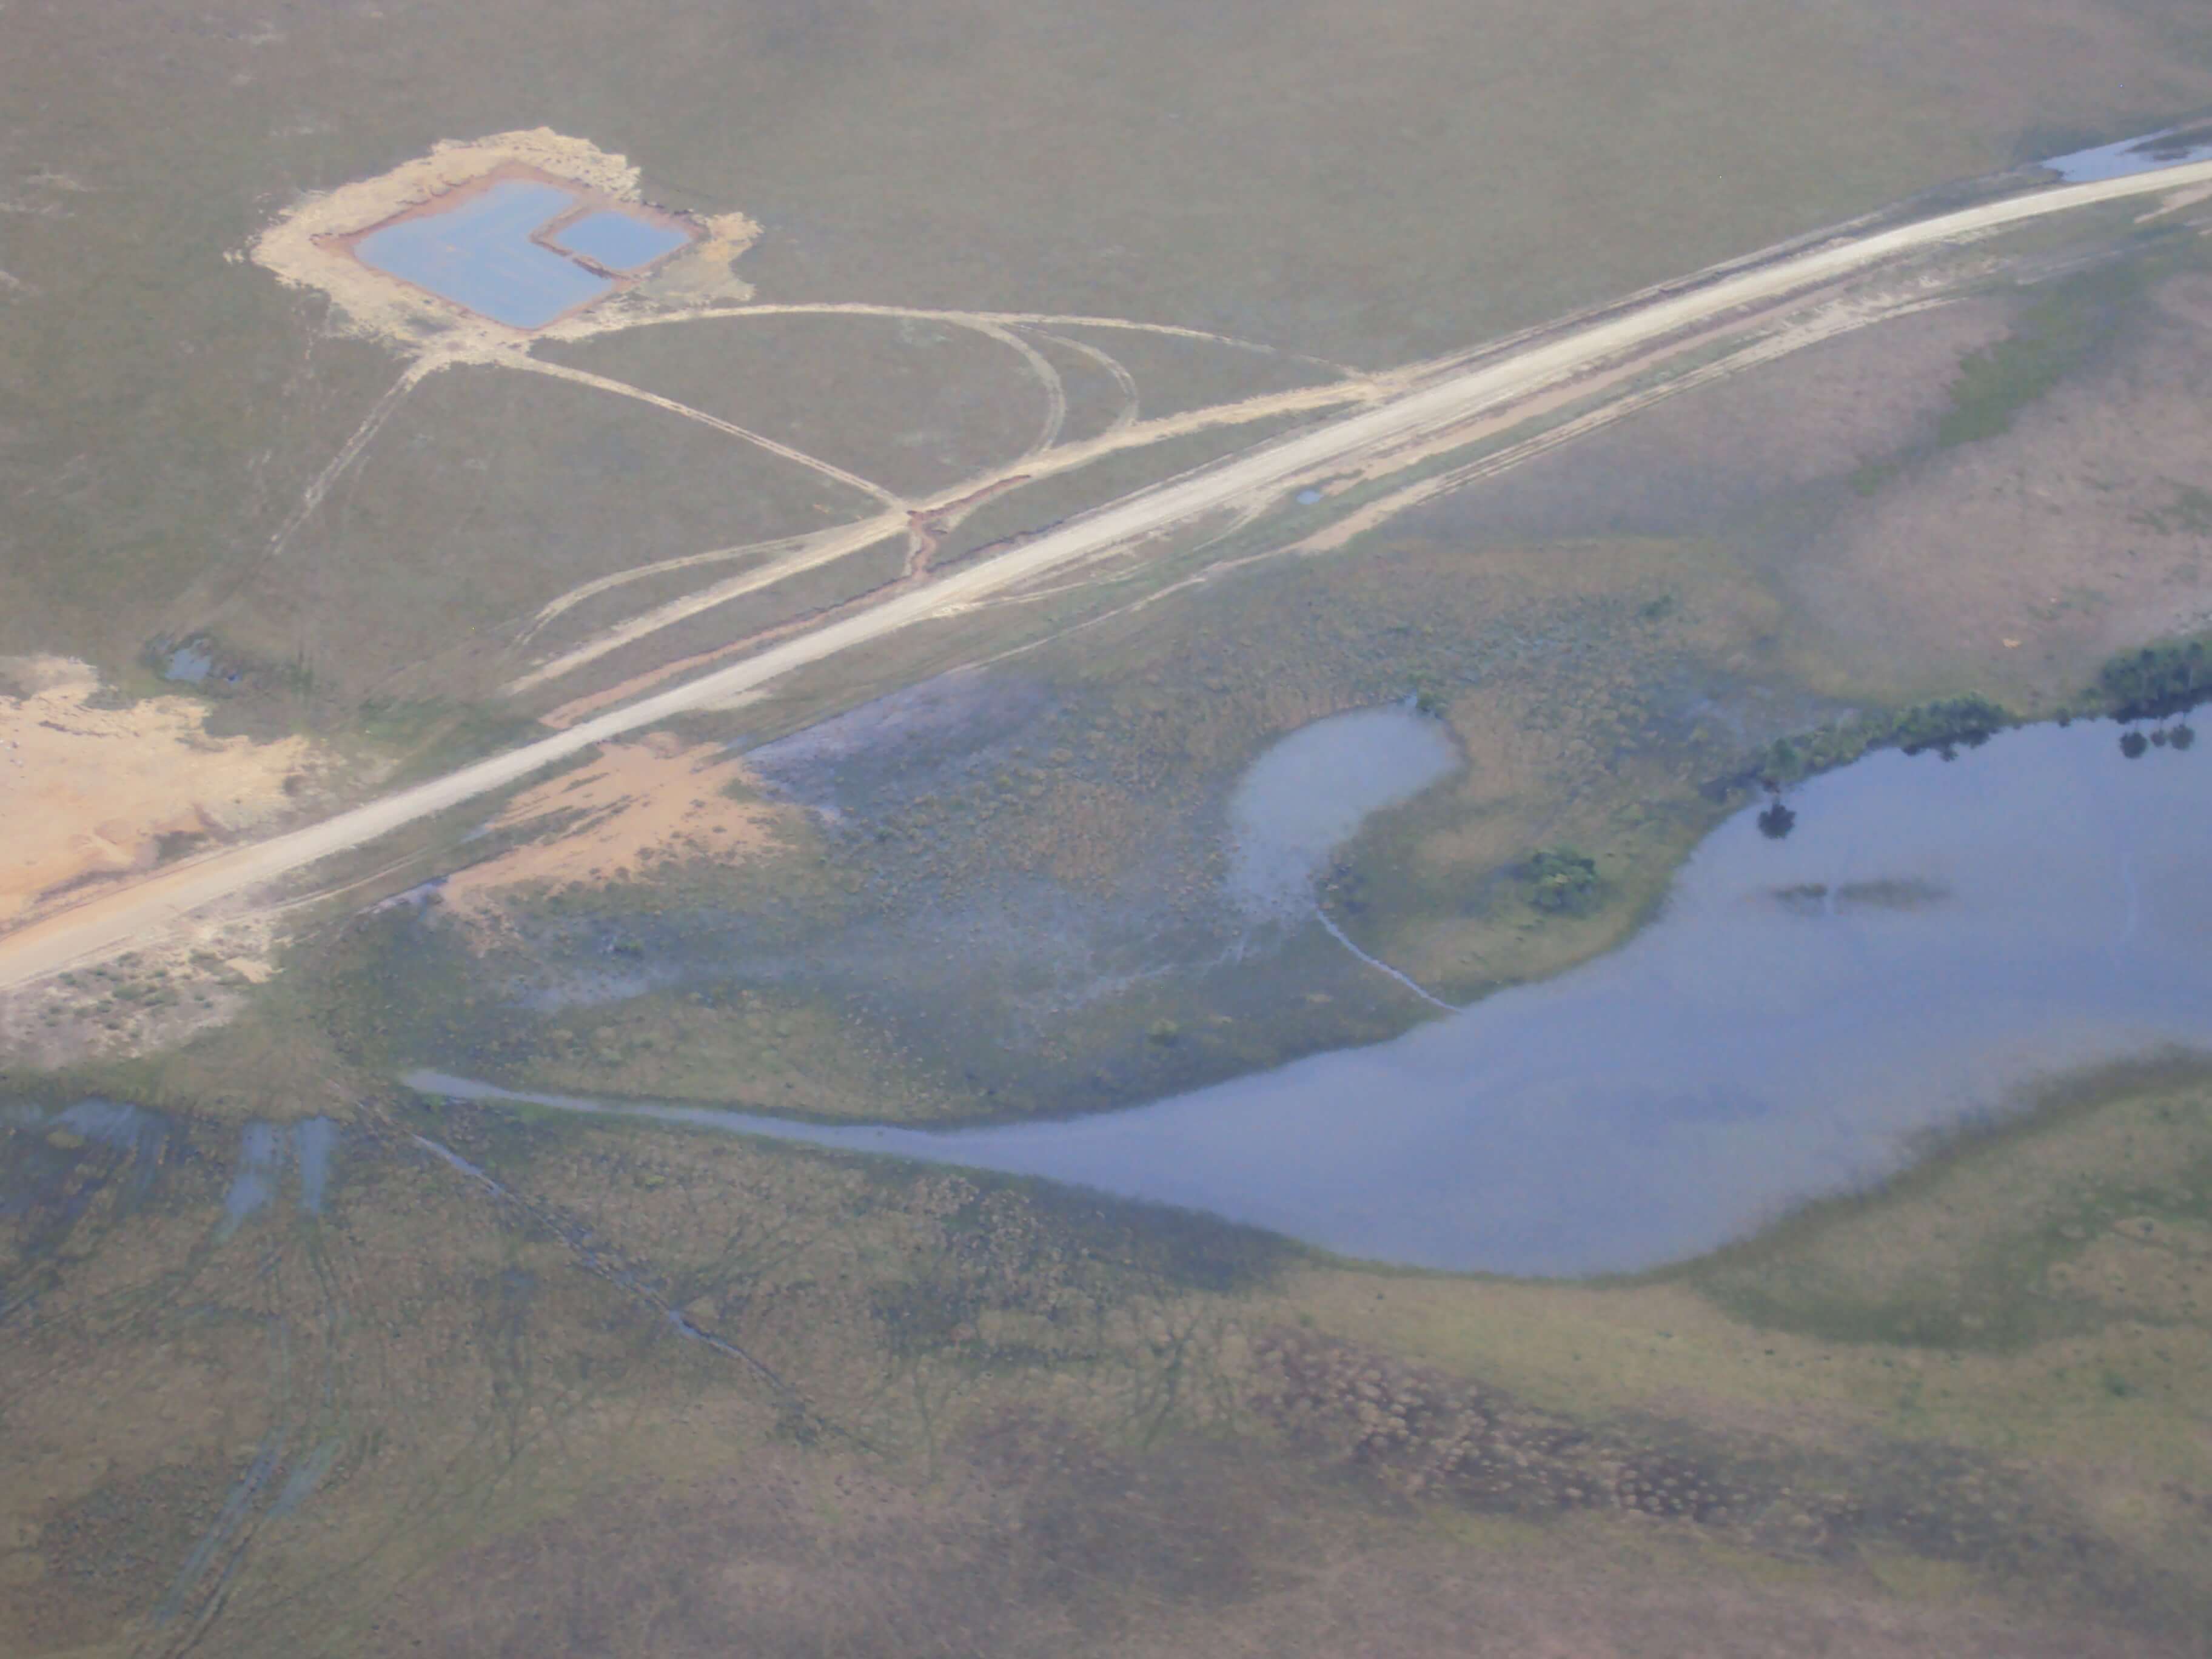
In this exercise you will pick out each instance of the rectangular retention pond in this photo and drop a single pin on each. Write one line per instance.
(478, 253)
(621, 241)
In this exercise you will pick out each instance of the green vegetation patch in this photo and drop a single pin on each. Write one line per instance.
(2156, 681)
(1948, 724)
(1562, 882)
(2093, 1210)
(2051, 339)
(2189, 514)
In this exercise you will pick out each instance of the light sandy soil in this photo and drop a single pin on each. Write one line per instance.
(635, 804)
(1409, 423)
(306, 247)
(88, 793)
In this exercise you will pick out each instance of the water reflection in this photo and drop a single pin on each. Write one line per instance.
(2134, 744)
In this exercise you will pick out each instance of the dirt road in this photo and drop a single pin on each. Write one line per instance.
(114, 922)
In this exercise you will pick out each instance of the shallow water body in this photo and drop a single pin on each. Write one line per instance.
(1308, 795)
(2132, 155)
(479, 254)
(260, 1148)
(620, 241)
(1931, 939)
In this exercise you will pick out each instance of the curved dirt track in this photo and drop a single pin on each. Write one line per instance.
(114, 922)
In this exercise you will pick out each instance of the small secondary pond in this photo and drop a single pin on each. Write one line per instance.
(478, 253)
(1932, 939)
(1308, 793)
(2132, 155)
(620, 241)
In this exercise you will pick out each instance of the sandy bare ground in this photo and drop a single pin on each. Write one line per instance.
(1412, 422)
(637, 803)
(87, 793)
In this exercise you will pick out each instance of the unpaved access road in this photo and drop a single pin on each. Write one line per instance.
(116, 921)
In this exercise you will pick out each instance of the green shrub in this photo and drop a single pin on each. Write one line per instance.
(2156, 681)
(1562, 882)
(1951, 723)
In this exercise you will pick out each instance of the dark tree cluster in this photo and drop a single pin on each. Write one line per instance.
(1562, 882)
(2157, 681)
(2136, 745)
(1946, 726)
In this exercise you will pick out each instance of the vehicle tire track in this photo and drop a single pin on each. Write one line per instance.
(1063, 458)
(350, 452)
(553, 609)
(623, 389)
(970, 319)
(1126, 416)
(111, 923)
(592, 1259)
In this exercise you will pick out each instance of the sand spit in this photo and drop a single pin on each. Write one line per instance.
(92, 793)
(636, 805)
(308, 247)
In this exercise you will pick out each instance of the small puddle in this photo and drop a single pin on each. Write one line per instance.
(1927, 941)
(315, 1144)
(189, 664)
(2132, 155)
(1308, 793)
(260, 1148)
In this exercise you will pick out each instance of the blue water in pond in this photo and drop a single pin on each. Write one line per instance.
(1929, 942)
(1310, 792)
(2160, 149)
(479, 254)
(620, 241)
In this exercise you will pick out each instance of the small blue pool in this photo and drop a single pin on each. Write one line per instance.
(479, 254)
(620, 241)
(2131, 155)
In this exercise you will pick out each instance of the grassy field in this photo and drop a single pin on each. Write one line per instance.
(184, 401)
(595, 1389)
(1608, 634)
(1954, 1414)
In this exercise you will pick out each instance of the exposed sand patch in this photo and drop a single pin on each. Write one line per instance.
(89, 794)
(638, 804)
(182, 982)
(307, 247)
